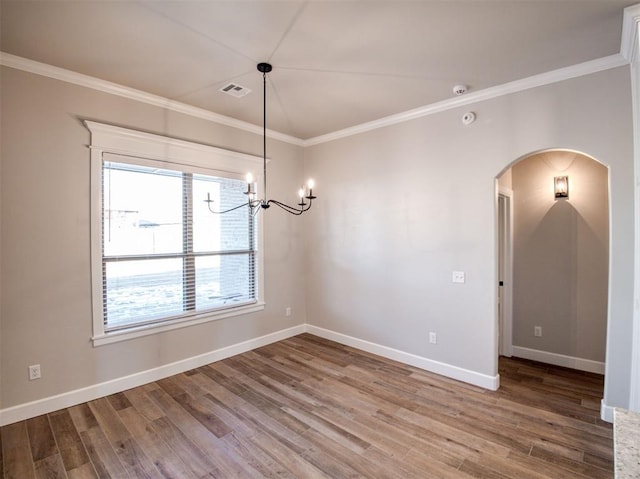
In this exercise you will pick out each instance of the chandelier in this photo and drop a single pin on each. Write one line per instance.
(253, 203)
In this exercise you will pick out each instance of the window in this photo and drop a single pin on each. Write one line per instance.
(160, 258)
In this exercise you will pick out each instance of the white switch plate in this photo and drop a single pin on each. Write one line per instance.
(537, 331)
(433, 338)
(34, 372)
(458, 277)
(287, 311)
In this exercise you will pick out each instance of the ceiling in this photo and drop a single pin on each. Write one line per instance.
(337, 64)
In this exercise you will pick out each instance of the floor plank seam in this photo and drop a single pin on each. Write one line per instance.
(309, 407)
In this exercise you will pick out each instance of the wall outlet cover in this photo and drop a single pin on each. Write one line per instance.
(458, 277)
(34, 372)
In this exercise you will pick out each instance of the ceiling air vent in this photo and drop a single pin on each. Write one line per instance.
(236, 90)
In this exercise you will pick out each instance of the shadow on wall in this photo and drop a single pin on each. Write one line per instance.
(560, 253)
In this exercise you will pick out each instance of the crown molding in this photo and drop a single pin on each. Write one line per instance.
(629, 43)
(581, 69)
(586, 68)
(43, 69)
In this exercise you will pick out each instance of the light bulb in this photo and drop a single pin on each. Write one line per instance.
(249, 178)
(301, 192)
(310, 184)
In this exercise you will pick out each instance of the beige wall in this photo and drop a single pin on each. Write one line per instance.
(401, 208)
(505, 180)
(561, 249)
(406, 205)
(45, 264)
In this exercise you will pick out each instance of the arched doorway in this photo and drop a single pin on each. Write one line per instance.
(554, 260)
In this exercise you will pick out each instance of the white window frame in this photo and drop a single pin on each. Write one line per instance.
(123, 141)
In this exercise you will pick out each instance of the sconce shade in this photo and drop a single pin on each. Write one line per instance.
(561, 186)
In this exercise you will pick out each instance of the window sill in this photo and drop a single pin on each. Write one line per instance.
(147, 330)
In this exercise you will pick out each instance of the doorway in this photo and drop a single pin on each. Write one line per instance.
(553, 253)
(505, 271)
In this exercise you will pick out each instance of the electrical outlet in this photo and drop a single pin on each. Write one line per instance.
(537, 331)
(457, 277)
(287, 311)
(433, 338)
(34, 372)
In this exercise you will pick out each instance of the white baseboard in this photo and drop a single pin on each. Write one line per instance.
(78, 396)
(606, 412)
(454, 372)
(559, 360)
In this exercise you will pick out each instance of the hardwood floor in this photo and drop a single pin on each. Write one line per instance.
(307, 407)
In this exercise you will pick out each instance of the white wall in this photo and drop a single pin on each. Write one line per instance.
(406, 205)
(45, 277)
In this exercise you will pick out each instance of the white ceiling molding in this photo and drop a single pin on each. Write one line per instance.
(629, 44)
(594, 66)
(31, 66)
(586, 68)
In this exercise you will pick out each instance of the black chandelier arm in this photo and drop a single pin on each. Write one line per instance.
(256, 205)
(250, 204)
(291, 209)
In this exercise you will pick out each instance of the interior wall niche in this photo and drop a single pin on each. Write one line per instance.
(560, 256)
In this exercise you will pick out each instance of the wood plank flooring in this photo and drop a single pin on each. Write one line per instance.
(306, 407)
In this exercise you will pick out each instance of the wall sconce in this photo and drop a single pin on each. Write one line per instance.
(561, 186)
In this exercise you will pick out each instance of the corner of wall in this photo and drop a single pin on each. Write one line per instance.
(460, 374)
(606, 412)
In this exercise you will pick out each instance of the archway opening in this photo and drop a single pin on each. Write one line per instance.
(554, 260)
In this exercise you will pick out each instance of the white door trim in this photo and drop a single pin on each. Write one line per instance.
(631, 51)
(505, 225)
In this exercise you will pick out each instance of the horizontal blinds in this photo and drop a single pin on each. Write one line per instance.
(165, 255)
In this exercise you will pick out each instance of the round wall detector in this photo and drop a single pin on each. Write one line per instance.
(460, 90)
(468, 118)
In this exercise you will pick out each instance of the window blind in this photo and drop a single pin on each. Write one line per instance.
(165, 256)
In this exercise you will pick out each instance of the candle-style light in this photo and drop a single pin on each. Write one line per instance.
(265, 203)
(250, 191)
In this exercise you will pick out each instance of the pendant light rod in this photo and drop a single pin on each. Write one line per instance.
(264, 68)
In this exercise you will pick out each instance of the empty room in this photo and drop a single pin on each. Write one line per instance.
(303, 239)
